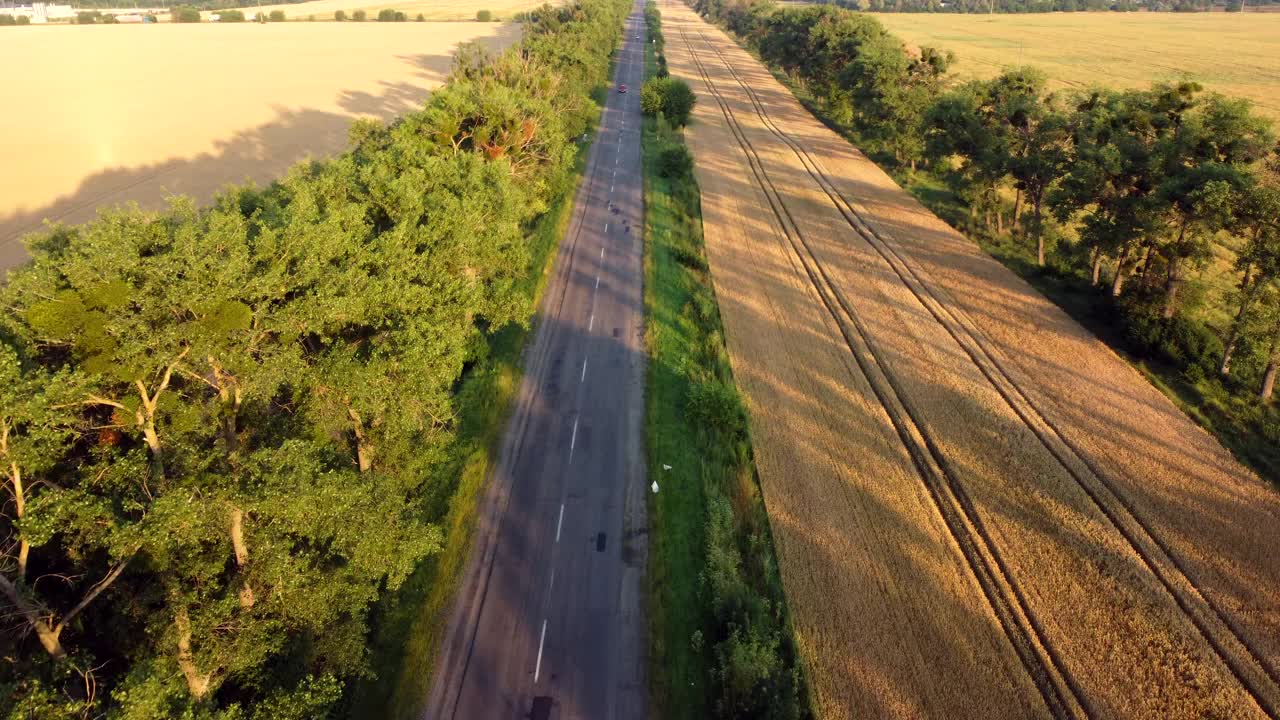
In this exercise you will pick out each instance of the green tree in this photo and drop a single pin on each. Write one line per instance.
(892, 91)
(184, 14)
(359, 16)
(1258, 214)
(1109, 188)
(484, 16)
(339, 15)
(672, 98)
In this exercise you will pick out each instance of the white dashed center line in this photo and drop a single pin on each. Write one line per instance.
(584, 371)
(537, 669)
(559, 524)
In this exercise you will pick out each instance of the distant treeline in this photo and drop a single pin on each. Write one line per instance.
(1043, 6)
(166, 6)
(226, 432)
(1127, 196)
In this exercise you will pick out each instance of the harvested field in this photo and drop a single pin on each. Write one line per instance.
(185, 109)
(431, 9)
(1229, 53)
(980, 511)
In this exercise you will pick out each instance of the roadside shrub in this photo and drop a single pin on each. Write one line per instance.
(230, 16)
(1179, 341)
(108, 19)
(689, 258)
(276, 16)
(420, 18)
(672, 98)
(340, 15)
(359, 16)
(7, 19)
(484, 16)
(311, 18)
(675, 161)
(184, 14)
(87, 17)
(22, 20)
(651, 97)
(389, 15)
(717, 408)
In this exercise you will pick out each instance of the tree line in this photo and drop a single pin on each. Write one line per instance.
(225, 431)
(1134, 192)
(1044, 6)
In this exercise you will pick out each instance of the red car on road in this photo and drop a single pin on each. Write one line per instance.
(622, 88)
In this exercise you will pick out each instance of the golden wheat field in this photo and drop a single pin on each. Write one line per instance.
(101, 115)
(430, 9)
(979, 510)
(1231, 53)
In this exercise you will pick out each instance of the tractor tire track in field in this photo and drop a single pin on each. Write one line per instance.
(1228, 641)
(1057, 690)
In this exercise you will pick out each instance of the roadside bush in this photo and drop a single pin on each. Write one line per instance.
(184, 14)
(230, 16)
(674, 99)
(675, 161)
(359, 16)
(389, 15)
(652, 97)
(1179, 341)
(484, 16)
(22, 20)
(108, 19)
(340, 15)
(87, 17)
(276, 16)
(420, 18)
(717, 408)
(7, 19)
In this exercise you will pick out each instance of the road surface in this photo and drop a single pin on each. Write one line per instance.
(547, 623)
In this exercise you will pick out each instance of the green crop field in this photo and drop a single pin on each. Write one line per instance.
(1229, 53)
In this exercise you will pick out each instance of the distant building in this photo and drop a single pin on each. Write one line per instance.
(40, 12)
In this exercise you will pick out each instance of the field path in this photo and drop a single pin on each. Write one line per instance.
(954, 469)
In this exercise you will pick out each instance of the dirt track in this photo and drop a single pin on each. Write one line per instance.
(980, 510)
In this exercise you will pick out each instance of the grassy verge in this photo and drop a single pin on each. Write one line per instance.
(409, 626)
(721, 644)
(1227, 409)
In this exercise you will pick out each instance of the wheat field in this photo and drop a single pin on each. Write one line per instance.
(1231, 53)
(185, 109)
(979, 509)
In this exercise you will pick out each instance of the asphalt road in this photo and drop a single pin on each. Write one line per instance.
(548, 623)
